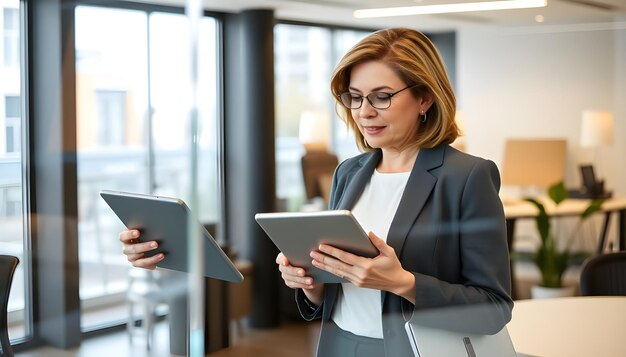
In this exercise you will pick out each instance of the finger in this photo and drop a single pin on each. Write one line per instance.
(298, 280)
(293, 285)
(129, 235)
(326, 263)
(150, 262)
(295, 277)
(291, 270)
(133, 257)
(281, 259)
(139, 248)
(339, 254)
(342, 273)
(327, 260)
(380, 244)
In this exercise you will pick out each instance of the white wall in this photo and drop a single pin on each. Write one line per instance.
(513, 83)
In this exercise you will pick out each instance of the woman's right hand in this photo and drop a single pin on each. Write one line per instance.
(135, 250)
(295, 278)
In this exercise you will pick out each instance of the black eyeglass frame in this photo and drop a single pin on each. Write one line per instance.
(389, 96)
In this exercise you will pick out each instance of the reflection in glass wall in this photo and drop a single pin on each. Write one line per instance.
(133, 135)
(12, 187)
(112, 102)
(170, 92)
(305, 57)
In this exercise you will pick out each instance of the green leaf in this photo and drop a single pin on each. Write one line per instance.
(594, 206)
(558, 192)
(542, 220)
(552, 264)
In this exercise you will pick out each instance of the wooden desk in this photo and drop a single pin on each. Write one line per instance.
(572, 327)
(519, 209)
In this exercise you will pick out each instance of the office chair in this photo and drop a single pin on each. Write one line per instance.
(144, 294)
(317, 171)
(8, 264)
(604, 275)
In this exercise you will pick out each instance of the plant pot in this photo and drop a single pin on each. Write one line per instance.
(540, 292)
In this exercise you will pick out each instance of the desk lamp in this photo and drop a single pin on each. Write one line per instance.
(596, 131)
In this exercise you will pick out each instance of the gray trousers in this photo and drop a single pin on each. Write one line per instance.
(335, 342)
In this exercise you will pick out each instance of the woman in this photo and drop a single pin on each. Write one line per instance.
(433, 212)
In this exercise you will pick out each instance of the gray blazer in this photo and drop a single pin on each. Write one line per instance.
(449, 230)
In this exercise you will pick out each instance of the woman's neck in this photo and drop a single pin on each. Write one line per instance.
(397, 160)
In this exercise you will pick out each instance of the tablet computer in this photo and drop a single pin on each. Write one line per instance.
(164, 219)
(458, 331)
(433, 342)
(296, 234)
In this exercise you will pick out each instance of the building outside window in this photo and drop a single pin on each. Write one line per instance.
(111, 116)
(12, 124)
(11, 36)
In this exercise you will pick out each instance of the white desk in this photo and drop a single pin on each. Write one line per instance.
(519, 209)
(570, 327)
(571, 207)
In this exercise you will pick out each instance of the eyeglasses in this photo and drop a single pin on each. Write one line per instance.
(378, 100)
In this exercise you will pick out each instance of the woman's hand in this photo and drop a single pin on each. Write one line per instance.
(295, 278)
(135, 251)
(383, 272)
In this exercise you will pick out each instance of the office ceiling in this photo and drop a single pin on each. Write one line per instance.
(611, 13)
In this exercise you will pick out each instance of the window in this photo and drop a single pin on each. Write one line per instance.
(133, 134)
(302, 68)
(305, 57)
(112, 107)
(13, 189)
(343, 140)
(111, 116)
(12, 124)
(11, 34)
(170, 79)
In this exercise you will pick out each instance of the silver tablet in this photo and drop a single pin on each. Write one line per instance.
(432, 342)
(296, 234)
(164, 220)
(459, 330)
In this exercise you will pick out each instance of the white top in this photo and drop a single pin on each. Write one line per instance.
(359, 310)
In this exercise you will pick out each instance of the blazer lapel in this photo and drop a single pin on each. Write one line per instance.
(418, 188)
(416, 192)
(362, 176)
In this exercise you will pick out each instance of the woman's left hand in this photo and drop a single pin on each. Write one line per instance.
(383, 272)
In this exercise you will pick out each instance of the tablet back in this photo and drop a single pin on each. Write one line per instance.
(164, 220)
(428, 341)
(296, 234)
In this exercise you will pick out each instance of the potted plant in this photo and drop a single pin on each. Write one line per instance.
(552, 258)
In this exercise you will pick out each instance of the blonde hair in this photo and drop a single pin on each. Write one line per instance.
(414, 58)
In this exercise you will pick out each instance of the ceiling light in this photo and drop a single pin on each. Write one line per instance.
(539, 18)
(449, 8)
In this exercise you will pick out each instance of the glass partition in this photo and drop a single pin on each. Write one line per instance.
(13, 187)
(133, 83)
